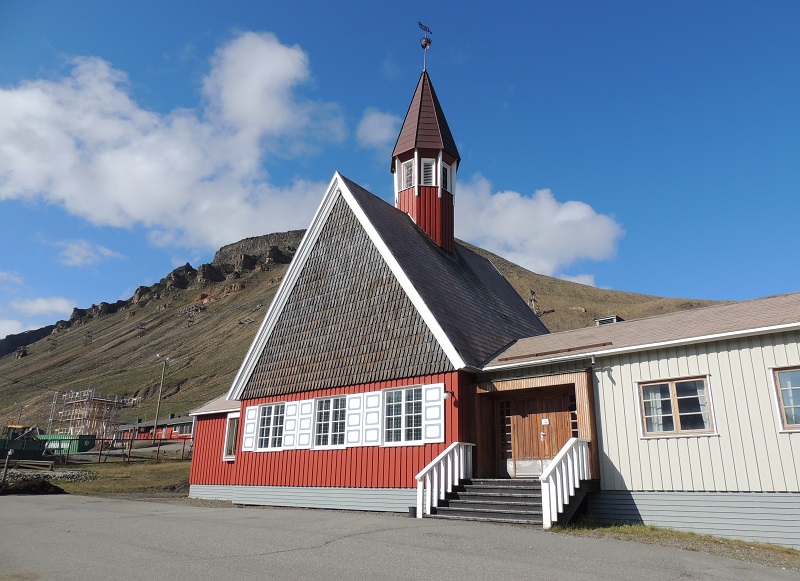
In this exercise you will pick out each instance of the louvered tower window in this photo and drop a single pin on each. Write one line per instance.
(407, 175)
(428, 172)
(446, 177)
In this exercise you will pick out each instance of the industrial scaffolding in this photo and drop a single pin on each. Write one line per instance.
(88, 412)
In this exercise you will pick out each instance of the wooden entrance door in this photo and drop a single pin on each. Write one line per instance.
(539, 427)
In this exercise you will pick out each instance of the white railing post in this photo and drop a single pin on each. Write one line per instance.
(420, 492)
(441, 475)
(562, 478)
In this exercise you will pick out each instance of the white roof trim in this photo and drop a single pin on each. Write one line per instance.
(650, 346)
(285, 289)
(337, 186)
(441, 337)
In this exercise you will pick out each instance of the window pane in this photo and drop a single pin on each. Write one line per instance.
(694, 422)
(793, 416)
(230, 441)
(660, 424)
(789, 379)
(692, 404)
(791, 397)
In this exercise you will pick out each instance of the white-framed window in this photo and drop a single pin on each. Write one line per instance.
(445, 177)
(787, 382)
(403, 415)
(231, 436)
(270, 426)
(407, 174)
(428, 177)
(675, 407)
(329, 424)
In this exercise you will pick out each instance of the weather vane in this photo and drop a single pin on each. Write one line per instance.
(425, 42)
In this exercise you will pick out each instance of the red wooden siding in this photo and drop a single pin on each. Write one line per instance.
(431, 213)
(208, 467)
(361, 467)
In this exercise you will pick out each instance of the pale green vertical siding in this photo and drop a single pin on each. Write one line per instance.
(747, 453)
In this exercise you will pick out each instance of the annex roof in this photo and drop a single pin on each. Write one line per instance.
(369, 297)
(216, 406)
(770, 314)
(425, 126)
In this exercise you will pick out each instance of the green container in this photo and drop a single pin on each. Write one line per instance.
(66, 444)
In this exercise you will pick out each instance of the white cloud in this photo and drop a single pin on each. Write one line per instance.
(537, 232)
(191, 177)
(44, 306)
(10, 277)
(83, 253)
(377, 130)
(10, 327)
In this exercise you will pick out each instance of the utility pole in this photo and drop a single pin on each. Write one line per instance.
(164, 360)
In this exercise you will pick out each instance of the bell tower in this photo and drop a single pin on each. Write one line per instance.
(424, 164)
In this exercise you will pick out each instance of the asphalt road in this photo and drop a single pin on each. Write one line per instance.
(88, 538)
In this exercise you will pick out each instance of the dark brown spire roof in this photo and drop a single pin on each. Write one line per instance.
(425, 126)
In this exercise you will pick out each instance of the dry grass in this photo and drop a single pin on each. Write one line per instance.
(134, 477)
(752, 552)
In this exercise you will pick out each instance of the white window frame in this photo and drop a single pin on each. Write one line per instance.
(404, 416)
(225, 456)
(784, 426)
(407, 171)
(275, 430)
(446, 176)
(427, 163)
(677, 431)
(330, 422)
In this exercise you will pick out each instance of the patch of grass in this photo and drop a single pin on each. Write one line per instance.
(762, 553)
(133, 477)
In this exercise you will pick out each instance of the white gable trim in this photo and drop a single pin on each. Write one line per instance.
(337, 187)
(285, 289)
(411, 291)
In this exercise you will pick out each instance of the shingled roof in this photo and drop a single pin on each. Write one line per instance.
(370, 297)
(770, 314)
(425, 126)
(476, 306)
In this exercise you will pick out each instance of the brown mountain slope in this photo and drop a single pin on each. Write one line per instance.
(208, 327)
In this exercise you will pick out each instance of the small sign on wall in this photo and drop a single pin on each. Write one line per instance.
(545, 421)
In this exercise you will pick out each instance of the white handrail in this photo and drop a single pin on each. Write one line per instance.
(562, 478)
(445, 471)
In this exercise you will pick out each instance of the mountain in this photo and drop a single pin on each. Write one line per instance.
(206, 318)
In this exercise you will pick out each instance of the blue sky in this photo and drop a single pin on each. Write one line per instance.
(650, 147)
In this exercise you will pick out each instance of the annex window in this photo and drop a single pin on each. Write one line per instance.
(330, 421)
(270, 426)
(403, 418)
(428, 172)
(788, 383)
(678, 406)
(231, 436)
(446, 177)
(407, 174)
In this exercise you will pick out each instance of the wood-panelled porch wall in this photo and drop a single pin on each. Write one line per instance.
(485, 422)
(362, 466)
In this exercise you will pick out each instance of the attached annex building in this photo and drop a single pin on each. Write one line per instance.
(394, 364)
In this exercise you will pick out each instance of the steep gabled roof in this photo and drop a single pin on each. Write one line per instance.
(425, 126)
(718, 322)
(370, 297)
(478, 309)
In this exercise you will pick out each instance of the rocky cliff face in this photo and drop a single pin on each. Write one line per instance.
(278, 247)
(257, 253)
